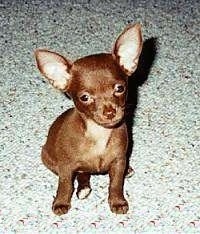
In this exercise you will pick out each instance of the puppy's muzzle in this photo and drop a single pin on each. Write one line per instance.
(109, 112)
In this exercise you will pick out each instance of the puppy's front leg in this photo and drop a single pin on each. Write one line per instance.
(117, 202)
(62, 202)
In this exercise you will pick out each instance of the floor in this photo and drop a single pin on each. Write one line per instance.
(164, 193)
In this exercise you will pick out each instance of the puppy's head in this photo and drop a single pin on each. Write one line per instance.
(96, 83)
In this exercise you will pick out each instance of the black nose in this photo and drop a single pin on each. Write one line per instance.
(109, 112)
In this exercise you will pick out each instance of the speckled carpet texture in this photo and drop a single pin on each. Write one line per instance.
(164, 116)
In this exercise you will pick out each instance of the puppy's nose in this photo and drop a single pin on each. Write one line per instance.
(109, 112)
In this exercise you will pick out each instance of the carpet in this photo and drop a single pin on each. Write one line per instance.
(164, 97)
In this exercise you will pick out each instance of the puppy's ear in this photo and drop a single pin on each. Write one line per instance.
(128, 47)
(54, 67)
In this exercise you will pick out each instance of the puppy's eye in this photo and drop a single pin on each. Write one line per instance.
(84, 97)
(119, 88)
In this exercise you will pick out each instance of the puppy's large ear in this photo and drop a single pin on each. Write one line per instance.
(128, 47)
(54, 67)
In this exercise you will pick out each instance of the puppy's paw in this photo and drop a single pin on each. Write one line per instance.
(60, 208)
(119, 206)
(83, 192)
(130, 172)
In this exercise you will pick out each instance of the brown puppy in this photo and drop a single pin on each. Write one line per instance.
(92, 137)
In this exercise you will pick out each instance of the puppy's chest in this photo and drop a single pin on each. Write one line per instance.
(98, 138)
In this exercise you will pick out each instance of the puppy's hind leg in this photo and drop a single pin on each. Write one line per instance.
(129, 172)
(84, 188)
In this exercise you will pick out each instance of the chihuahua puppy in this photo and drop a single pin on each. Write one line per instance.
(92, 137)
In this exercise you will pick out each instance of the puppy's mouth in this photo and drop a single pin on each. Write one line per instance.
(110, 124)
